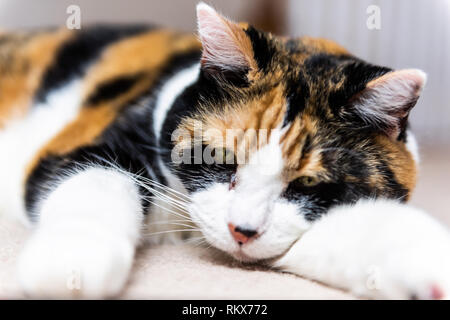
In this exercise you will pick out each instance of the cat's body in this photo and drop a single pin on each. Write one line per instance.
(92, 82)
(89, 122)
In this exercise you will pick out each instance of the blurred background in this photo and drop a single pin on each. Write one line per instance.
(408, 33)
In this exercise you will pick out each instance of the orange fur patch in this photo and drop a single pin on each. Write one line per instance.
(144, 53)
(400, 162)
(309, 165)
(24, 59)
(324, 45)
(245, 45)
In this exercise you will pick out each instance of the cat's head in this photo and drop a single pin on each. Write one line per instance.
(311, 127)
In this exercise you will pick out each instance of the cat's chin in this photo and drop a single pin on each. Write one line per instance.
(242, 257)
(246, 258)
(245, 255)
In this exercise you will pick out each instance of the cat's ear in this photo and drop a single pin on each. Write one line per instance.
(226, 46)
(386, 101)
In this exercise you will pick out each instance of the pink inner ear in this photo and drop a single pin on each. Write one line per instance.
(221, 48)
(387, 100)
(411, 80)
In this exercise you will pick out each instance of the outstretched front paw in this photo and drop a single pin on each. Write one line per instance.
(62, 265)
(376, 249)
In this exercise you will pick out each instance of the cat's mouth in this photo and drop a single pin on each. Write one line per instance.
(242, 256)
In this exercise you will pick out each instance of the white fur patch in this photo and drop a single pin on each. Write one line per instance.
(259, 184)
(163, 211)
(22, 138)
(254, 203)
(379, 249)
(169, 92)
(412, 146)
(84, 244)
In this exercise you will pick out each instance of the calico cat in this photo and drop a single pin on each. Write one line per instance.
(110, 129)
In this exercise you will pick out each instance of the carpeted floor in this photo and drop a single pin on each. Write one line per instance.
(177, 272)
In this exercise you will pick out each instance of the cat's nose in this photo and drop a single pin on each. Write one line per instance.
(242, 234)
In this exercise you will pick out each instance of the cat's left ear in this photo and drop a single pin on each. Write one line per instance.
(226, 46)
(386, 101)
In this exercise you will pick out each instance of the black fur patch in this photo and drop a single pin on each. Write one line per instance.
(113, 88)
(297, 95)
(198, 175)
(319, 199)
(74, 56)
(357, 74)
(319, 65)
(264, 51)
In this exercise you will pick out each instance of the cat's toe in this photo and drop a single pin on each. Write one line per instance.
(437, 292)
(430, 292)
(67, 266)
(422, 279)
(407, 287)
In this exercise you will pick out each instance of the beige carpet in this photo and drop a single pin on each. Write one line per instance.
(189, 272)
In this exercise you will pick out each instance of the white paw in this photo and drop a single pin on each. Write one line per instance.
(408, 254)
(376, 249)
(418, 272)
(65, 265)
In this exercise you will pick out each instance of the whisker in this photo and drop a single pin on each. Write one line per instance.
(170, 231)
(181, 212)
(169, 210)
(197, 242)
(164, 196)
(166, 188)
(164, 222)
(139, 179)
(171, 223)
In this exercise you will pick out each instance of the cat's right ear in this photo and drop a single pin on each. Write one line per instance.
(227, 49)
(385, 102)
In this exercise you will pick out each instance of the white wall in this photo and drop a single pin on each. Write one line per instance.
(414, 33)
(176, 13)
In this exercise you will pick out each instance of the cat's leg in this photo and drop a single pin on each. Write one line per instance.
(84, 243)
(377, 249)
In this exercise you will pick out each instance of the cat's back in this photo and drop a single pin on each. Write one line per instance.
(60, 89)
(34, 64)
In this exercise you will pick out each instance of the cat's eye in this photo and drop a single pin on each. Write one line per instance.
(308, 181)
(223, 156)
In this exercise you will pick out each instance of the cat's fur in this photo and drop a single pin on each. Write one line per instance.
(91, 122)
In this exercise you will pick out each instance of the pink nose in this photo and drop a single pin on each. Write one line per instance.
(240, 234)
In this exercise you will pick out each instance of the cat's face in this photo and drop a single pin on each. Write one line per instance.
(292, 128)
